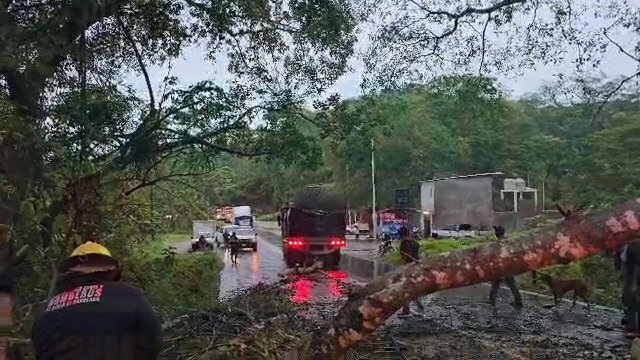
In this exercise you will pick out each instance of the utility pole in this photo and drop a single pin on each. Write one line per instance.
(348, 202)
(373, 192)
(542, 194)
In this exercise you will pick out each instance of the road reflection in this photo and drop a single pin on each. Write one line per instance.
(336, 278)
(301, 290)
(255, 267)
(327, 287)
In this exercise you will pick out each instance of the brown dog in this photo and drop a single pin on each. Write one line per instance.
(560, 287)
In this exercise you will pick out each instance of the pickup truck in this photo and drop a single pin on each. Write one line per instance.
(455, 231)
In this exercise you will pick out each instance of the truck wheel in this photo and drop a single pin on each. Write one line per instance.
(255, 247)
(332, 261)
(289, 259)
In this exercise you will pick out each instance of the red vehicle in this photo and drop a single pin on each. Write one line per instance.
(227, 213)
(217, 213)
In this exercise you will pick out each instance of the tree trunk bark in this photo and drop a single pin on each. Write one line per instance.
(6, 299)
(575, 238)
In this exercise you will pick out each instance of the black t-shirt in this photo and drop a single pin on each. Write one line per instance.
(95, 319)
(409, 250)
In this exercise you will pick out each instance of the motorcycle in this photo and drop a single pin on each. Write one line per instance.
(385, 246)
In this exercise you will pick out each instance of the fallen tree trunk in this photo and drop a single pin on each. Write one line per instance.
(575, 238)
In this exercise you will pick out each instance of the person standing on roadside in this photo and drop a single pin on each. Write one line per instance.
(409, 253)
(499, 231)
(627, 260)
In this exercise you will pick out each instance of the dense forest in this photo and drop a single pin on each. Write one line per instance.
(451, 126)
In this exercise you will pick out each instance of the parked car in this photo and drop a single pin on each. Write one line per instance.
(363, 228)
(208, 237)
(227, 229)
(455, 231)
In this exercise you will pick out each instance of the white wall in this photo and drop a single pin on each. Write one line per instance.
(427, 196)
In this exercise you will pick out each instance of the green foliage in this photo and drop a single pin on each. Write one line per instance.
(166, 241)
(431, 247)
(175, 284)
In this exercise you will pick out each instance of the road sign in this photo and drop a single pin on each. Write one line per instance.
(402, 198)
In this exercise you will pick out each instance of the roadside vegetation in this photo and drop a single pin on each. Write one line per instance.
(175, 283)
(83, 154)
(268, 217)
(431, 247)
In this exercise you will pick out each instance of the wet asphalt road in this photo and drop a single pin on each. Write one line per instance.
(456, 323)
(265, 265)
(252, 268)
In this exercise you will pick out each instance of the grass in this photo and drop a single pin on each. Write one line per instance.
(431, 247)
(165, 241)
(174, 283)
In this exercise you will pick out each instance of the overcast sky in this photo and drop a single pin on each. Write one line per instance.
(192, 67)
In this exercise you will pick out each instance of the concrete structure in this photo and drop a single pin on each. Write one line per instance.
(479, 199)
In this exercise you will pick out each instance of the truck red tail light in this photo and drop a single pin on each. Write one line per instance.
(337, 242)
(296, 241)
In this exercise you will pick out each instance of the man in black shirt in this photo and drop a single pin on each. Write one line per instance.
(95, 316)
(628, 262)
(509, 280)
(409, 252)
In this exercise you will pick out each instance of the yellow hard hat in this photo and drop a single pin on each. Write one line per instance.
(90, 248)
(89, 253)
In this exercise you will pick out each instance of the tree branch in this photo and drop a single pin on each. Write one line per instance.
(613, 92)
(188, 139)
(484, 41)
(162, 178)
(620, 48)
(571, 240)
(143, 68)
(457, 17)
(471, 10)
(27, 86)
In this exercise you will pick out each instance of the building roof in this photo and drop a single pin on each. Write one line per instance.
(467, 176)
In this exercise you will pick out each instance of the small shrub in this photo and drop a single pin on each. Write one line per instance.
(175, 283)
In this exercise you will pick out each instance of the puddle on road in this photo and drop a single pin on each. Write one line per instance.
(320, 288)
(324, 292)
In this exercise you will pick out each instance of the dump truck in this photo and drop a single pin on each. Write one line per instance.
(313, 228)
